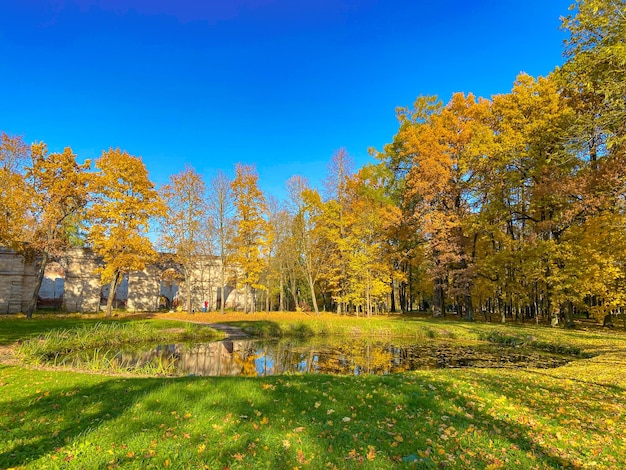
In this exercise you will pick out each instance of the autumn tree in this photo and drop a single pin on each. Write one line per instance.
(593, 79)
(286, 258)
(340, 169)
(406, 241)
(184, 231)
(370, 216)
(272, 273)
(446, 148)
(221, 213)
(287, 255)
(594, 75)
(58, 189)
(251, 231)
(309, 243)
(15, 198)
(125, 200)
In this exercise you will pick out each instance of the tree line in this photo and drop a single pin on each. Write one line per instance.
(511, 206)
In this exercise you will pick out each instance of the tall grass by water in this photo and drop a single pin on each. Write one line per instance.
(52, 344)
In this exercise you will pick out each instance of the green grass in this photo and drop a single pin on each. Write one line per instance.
(42, 348)
(573, 416)
(98, 341)
(375, 327)
(12, 329)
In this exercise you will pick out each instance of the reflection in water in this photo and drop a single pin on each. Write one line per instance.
(257, 358)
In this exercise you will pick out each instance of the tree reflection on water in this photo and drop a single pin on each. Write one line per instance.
(249, 357)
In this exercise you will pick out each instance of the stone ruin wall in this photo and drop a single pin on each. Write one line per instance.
(17, 282)
(82, 287)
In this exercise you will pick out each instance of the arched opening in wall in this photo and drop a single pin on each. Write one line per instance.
(120, 299)
(231, 296)
(169, 290)
(52, 288)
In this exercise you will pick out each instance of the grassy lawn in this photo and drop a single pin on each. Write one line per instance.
(570, 417)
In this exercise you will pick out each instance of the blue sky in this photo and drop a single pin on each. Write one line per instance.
(280, 84)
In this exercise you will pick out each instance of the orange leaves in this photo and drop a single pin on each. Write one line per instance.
(502, 201)
(252, 229)
(15, 197)
(446, 152)
(124, 202)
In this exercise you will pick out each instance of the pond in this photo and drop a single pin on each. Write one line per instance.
(251, 357)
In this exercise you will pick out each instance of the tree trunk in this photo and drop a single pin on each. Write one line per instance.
(32, 306)
(410, 286)
(469, 308)
(312, 287)
(112, 289)
(188, 282)
(569, 315)
(294, 291)
(402, 297)
(223, 282)
(245, 299)
(608, 321)
(438, 303)
(222, 300)
(252, 300)
(281, 295)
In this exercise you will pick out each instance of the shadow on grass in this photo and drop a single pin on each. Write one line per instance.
(459, 419)
(566, 416)
(420, 419)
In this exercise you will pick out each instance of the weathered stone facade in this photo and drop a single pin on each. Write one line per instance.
(83, 290)
(82, 282)
(17, 282)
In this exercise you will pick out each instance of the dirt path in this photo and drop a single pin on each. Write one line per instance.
(230, 331)
(6, 355)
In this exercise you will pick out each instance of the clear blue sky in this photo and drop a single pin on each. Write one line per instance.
(281, 84)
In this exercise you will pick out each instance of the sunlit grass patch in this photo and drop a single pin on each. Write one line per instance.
(456, 419)
(569, 417)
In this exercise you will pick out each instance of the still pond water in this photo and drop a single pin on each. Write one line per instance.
(250, 357)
